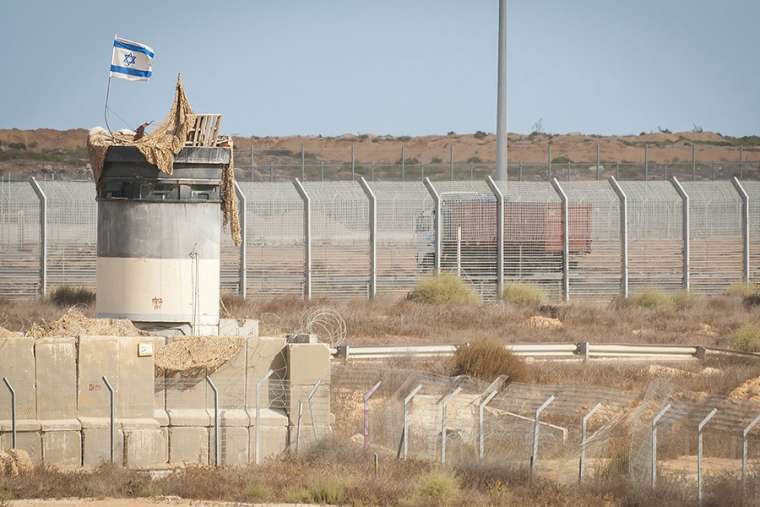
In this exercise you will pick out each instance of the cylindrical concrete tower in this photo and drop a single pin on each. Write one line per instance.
(159, 239)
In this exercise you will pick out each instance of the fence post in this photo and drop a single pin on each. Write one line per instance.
(13, 412)
(372, 236)
(367, 396)
(444, 416)
(701, 427)
(656, 420)
(741, 162)
(306, 238)
(403, 163)
(43, 235)
(257, 429)
(499, 235)
(646, 162)
(298, 425)
(217, 439)
(243, 212)
(309, 396)
(451, 162)
(745, 433)
(303, 164)
(745, 225)
(565, 240)
(534, 446)
(437, 224)
(685, 230)
(491, 391)
(598, 162)
(111, 415)
(623, 234)
(549, 161)
(693, 162)
(353, 162)
(405, 430)
(584, 442)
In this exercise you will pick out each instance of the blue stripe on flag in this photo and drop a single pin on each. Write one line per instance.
(131, 72)
(132, 47)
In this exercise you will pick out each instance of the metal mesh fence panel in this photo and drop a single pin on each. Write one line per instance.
(405, 248)
(715, 235)
(533, 236)
(595, 251)
(655, 236)
(340, 239)
(72, 233)
(19, 241)
(468, 243)
(753, 191)
(275, 240)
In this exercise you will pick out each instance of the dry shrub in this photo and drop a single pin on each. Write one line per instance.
(487, 359)
(746, 338)
(66, 296)
(741, 290)
(684, 299)
(442, 289)
(652, 299)
(523, 294)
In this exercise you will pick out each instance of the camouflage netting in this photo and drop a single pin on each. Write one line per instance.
(159, 148)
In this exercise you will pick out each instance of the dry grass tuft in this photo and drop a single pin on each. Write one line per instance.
(523, 294)
(436, 487)
(741, 290)
(445, 288)
(486, 359)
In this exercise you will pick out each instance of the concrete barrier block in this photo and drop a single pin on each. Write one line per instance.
(308, 362)
(63, 448)
(230, 381)
(188, 445)
(159, 389)
(186, 401)
(145, 447)
(235, 327)
(263, 354)
(56, 373)
(135, 392)
(234, 445)
(19, 369)
(274, 434)
(98, 357)
(30, 441)
(96, 446)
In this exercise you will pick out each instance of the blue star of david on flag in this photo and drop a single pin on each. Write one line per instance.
(131, 60)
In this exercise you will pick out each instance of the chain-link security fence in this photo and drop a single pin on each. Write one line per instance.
(574, 239)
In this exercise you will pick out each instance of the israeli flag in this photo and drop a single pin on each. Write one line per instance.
(131, 60)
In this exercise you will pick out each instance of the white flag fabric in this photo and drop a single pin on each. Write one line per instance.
(131, 60)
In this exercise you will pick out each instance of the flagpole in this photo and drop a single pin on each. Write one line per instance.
(108, 92)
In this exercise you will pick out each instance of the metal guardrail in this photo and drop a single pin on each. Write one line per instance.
(581, 351)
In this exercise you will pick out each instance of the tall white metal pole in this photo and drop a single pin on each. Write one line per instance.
(501, 97)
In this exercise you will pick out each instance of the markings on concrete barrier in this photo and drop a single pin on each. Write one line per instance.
(144, 349)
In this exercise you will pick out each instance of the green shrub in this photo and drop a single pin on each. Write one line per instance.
(746, 338)
(487, 359)
(741, 290)
(437, 487)
(652, 298)
(257, 491)
(523, 294)
(72, 296)
(685, 299)
(444, 288)
(328, 492)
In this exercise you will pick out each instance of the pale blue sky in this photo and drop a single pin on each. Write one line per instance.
(402, 67)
